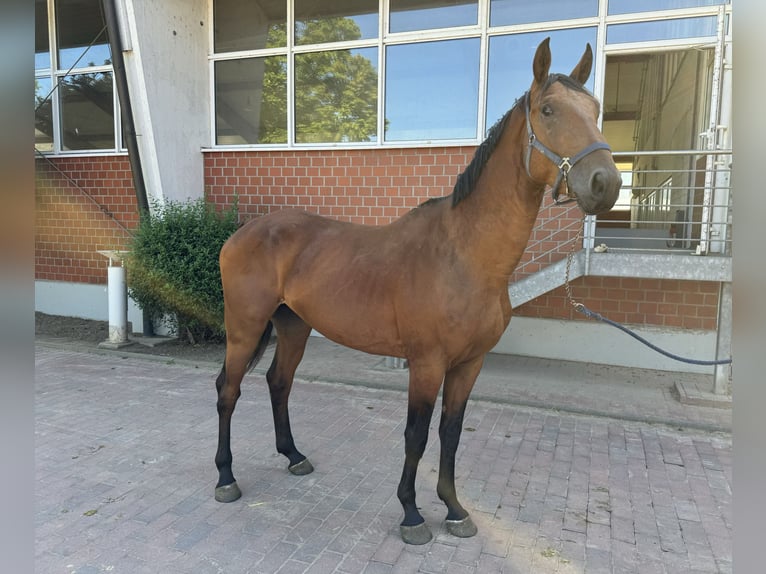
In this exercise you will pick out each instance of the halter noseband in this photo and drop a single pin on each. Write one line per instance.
(563, 163)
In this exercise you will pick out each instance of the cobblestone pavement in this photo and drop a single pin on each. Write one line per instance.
(125, 477)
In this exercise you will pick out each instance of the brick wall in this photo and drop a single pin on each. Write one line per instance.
(659, 302)
(72, 224)
(372, 187)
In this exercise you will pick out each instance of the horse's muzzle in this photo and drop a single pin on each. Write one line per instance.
(602, 191)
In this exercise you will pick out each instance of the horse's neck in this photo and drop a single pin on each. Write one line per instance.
(497, 218)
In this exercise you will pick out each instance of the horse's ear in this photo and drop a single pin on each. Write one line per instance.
(542, 62)
(582, 70)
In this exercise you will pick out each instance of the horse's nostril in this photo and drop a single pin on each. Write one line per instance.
(601, 183)
(598, 182)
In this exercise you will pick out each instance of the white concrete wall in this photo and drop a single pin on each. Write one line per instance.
(595, 342)
(166, 48)
(83, 300)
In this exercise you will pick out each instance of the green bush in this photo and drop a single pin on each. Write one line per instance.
(173, 267)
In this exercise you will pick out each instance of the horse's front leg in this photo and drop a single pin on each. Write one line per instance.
(423, 388)
(458, 383)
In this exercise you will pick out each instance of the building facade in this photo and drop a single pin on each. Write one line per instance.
(361, 110)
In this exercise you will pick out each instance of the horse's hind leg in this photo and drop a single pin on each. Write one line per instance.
(292, 334)
(458, 383)
(241, 352)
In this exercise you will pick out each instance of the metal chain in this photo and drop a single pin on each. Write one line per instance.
(570, 256)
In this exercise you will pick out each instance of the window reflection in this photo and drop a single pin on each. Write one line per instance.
(336, 96)
(407, 15)
(510, 68)
(630, 6)
(87, 111)
(250, 25)
(250, 101)
(78, 23)
(43, 115)
(505, 12)
(432, 90)
(661, 30)
(42, 45)
(318, 21)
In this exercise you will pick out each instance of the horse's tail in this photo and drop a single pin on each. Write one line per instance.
(260, 349)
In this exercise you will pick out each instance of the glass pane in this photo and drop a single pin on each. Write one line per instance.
(87, 111)
(504, 12)
(251, 101)
(250, 25)
(510, 64)
(78, 23)
(42, 45)
(336, 96)
(432, 90)
(408, 15)
(630, 6)
(318, 21)
(43, 115)
(661, 30)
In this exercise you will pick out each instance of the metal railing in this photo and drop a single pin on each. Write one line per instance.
(671, 202)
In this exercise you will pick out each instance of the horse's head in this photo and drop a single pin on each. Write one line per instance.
(565, 148)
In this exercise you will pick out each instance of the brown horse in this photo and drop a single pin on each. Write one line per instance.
(431, 287)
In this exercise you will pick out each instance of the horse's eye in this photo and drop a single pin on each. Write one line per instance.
(547, 110)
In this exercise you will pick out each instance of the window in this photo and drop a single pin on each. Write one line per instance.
(661, 30)
(251, 101)
(330, 21)
(407, 15)
(43, 115)
(75, 103)
(510, 70)
(629, 6)
(504, 12)
(87, 111)
(336, 96)
(293, 73)
(432, 90)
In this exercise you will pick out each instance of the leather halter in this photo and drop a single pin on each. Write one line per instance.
(564, 164)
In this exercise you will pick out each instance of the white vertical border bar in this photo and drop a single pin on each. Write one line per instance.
(290, 64)
(384, 19)
(599, 83)
(483, 22)
(211, 72)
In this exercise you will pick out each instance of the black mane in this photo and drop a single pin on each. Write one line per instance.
(467, 180)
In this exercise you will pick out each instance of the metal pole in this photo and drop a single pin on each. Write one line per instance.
(722, 373)
(128, 123)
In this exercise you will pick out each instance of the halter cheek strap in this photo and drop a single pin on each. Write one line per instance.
(564, 164)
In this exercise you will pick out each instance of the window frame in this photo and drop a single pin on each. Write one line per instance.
(481, 30)
(56, 75)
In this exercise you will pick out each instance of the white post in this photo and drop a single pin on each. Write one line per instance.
(117, 295)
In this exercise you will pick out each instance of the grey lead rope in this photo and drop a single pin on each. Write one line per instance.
(581, 308)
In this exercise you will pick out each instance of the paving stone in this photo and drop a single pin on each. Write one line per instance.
(125, 481)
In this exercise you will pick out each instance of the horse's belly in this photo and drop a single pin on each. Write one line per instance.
(365, 330)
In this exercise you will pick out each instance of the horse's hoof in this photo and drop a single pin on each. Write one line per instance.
(227, 492)
(301, 468)
(417, 535)
(464, 528)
